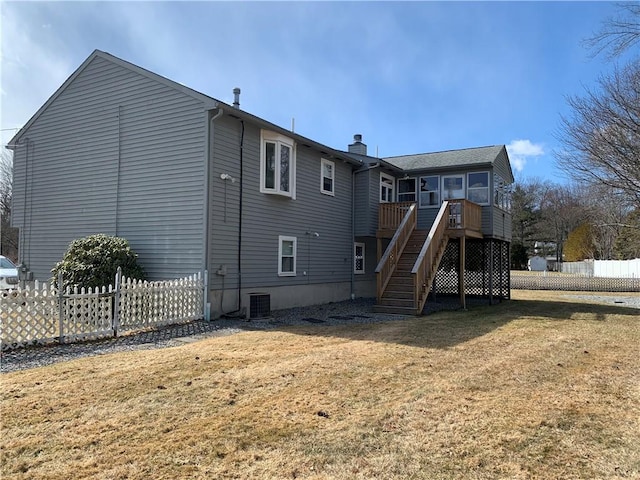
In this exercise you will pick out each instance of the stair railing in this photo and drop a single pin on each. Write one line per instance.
(389, 260)
(426, 265)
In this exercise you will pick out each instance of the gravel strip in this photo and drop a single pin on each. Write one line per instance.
(619, 300)
(359, 311)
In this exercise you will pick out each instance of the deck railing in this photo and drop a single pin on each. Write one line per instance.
(389, 260)
(464, 214)
(426, 264)
(391, 214)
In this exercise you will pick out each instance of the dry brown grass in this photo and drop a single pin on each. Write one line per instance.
(539, 387)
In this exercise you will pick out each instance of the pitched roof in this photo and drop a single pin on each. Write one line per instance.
(209, 103)
(447, 159)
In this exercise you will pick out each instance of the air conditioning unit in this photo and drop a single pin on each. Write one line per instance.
(259, 305)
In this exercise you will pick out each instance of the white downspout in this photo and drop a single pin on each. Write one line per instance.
(208, 159)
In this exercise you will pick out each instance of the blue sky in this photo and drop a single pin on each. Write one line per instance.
(410, 77)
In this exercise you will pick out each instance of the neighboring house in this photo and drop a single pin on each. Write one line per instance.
(196, 184)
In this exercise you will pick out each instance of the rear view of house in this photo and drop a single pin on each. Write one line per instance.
(196, 184)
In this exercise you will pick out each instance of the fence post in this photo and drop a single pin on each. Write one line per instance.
(60, 309)
(116, 301)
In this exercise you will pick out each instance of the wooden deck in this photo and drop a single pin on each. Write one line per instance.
(464, 219)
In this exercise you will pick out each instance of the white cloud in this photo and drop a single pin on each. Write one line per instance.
(521, 150)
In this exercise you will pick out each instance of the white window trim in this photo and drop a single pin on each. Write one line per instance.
(267, 136)
(393, 187)
(284, 238)
(324, 162)
(420, 205)
(488, 187)
(442, 189)
(414, 193)
(355, 257)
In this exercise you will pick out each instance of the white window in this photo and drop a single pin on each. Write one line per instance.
(277, 165)
(478, 187)
(387, 184)
(452, 187)
(327, 176)
(358, 258)
(287, 247)
(501, 193)
(407, 190)
(429, 191)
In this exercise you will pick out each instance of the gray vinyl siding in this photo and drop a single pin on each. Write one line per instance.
(326, 258)
(367, 198)
(76, 186)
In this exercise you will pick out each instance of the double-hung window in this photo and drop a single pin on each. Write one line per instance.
(287, 247)
(407, 190)
(277, 164)
(452, 187)
(429, 191)
(327, 176)
(478, 187)
(358, 258)
(387, 183)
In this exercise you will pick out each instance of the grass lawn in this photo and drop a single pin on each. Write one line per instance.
(538, 387)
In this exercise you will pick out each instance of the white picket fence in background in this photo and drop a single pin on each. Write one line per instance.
(43, 313)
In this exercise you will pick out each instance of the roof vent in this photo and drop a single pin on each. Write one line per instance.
(357, 146)
(236, 97)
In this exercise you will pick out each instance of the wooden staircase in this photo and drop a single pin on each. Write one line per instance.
(408, 267)
(398, 297)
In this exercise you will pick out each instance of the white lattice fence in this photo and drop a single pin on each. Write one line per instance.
(29, 316)
(546, 281)
(87, 314)
(145, 304)
(39, 314)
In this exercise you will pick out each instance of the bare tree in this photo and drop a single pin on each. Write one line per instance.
(561, 213)
(601, 138)
(617, 34)
(8, 235)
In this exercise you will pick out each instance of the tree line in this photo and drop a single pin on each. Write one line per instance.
(597, 215)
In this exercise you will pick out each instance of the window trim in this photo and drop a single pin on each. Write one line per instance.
(323, 162)
(439, 202)
(356, 257)
(399, 193)
(286, 238)
(279, 141)
(392, 189)
(442, 189)
(487, 188)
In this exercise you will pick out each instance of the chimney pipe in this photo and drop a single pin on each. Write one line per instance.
(236, 97)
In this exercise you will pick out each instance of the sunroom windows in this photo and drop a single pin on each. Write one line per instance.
(429, 191)
(407, 190)
(478, 189)
(435, 189)
(277, 164)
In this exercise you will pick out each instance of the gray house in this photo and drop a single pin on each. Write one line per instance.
(196, 184)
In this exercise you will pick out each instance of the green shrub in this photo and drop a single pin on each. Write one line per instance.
(93, 261)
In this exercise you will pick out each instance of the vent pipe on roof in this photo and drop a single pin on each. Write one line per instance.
(357, 146)
(236, 97)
